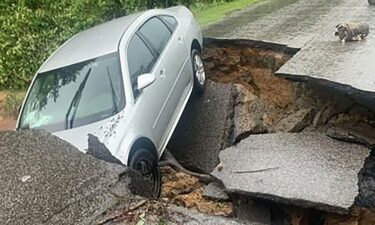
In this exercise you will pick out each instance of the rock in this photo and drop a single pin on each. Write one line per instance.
(250, 211)
(45, 180)
(353, 132)
(296, 121)
(191, 217)
(205, 128)
(306, 169)
(215, 191)
(249, 112)
(366, 196)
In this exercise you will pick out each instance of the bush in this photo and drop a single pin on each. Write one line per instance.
(32, 29)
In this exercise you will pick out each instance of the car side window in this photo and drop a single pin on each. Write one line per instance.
(170, 21)
(140, 60)
(156, 33)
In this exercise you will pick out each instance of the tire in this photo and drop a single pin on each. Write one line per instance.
(146, 162)
(199, 73)
(371, 2)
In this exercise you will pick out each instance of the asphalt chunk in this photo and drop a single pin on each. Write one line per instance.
(305, 169)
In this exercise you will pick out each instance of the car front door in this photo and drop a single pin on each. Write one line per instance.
(170, 50)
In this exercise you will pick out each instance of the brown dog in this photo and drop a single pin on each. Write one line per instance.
(352, 31)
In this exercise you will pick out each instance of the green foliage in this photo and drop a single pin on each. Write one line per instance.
(32, 29)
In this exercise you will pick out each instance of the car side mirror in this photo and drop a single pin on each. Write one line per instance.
(145, 80)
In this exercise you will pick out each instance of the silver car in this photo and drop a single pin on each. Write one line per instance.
(118, 90)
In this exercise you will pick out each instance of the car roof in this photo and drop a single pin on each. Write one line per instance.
(97, 41)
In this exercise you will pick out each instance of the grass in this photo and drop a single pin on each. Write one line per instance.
(213, 12)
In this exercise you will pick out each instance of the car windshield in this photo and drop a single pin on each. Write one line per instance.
(75, 95)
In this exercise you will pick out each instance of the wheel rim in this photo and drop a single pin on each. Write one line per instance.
(200, 74)
(146, 168)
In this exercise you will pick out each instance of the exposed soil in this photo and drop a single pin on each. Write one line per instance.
(184, 190)
(6, 122)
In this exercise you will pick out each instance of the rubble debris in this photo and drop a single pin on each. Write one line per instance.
(296, 121)
(360, 133)
(366, 196)
(357, 216)
(184, 190)
(204, 128)
(168, 159)
(215, 191)
(244, 122)
(250, 211)
(65, 186)
(313, 169)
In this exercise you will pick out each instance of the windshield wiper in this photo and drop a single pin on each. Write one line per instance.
(114, 97)
(75, 102)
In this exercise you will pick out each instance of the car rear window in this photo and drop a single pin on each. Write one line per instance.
(156, 33)
(170, 21)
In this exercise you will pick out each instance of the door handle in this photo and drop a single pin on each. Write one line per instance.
(162, 73)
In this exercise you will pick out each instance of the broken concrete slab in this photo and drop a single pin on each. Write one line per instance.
(215, 191)
(175, 215)
(360, 133)
(307, 169)
(296, 121)
(249, 114)
(45, 180)
(204, 128)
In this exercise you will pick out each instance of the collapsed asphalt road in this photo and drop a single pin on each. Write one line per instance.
(310, 26)
(252, 100)
(45, 180)
(246, 106)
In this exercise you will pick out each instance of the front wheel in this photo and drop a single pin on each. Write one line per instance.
(145, 162)
(198, 71)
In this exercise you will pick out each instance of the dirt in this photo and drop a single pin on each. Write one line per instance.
(6, 122)
(184, 190)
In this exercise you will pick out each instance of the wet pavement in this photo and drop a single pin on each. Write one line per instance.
(310, 26)
(306, 169)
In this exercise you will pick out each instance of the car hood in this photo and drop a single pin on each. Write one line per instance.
(103, 134)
